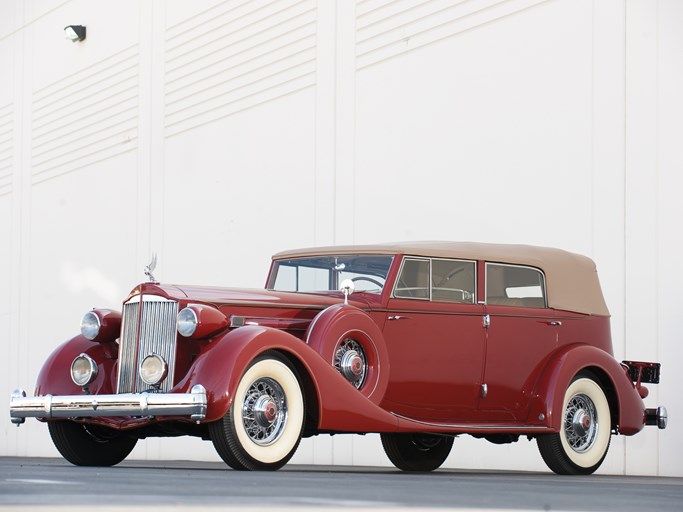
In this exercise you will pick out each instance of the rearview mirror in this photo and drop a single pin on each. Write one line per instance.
(347, 287)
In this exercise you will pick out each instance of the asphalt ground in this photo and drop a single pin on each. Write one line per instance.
(53, 484)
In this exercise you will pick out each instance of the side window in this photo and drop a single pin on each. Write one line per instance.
(453, 281)
(439, 280)
(514, 285)
(413, 281)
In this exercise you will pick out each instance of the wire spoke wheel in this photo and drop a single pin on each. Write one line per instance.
(263, 427)
(264, 411)
(582, 443)
(580, 423)
(351, 362)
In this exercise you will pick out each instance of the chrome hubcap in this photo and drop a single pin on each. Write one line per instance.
(264, 411)
(580, 423)
(350, 360)
(352, 365)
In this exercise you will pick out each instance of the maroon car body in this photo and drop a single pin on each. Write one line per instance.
(438, 339)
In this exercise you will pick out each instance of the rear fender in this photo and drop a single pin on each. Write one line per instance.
(341, 407)
(548, 397)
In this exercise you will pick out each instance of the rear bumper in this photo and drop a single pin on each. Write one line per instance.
(192, 404)
(657, 416)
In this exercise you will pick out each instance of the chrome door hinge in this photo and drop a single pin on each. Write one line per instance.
(487, 321)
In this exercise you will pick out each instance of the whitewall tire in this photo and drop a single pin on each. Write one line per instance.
(263, 427)
(582, 443)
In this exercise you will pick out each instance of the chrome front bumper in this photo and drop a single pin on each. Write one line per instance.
(192, 404)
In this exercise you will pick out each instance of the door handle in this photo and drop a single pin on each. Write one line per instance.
(397, 317)
(554, 322)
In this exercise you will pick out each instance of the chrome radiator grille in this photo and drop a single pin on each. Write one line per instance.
(147, 328)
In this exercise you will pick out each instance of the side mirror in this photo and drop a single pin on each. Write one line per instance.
(347, 287)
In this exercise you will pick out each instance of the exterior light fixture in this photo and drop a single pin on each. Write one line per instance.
(74, 32)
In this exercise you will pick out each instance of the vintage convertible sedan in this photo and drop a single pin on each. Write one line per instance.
(420, 342)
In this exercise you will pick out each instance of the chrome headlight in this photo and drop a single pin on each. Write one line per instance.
(187, 322)
(153, 369)
(90, 325)
(83, 370)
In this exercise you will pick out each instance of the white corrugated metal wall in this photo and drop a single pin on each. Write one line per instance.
(218, 132)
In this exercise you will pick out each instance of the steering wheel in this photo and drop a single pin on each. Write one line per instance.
(449, 276)
(369, 279)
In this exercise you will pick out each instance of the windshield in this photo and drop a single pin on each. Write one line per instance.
(323, 273)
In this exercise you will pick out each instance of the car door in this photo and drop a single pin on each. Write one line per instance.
(435, 337)
(521, 335)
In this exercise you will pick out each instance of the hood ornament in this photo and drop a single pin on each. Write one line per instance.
(150, 268)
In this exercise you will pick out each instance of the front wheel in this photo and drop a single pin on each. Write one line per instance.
(262, 428)
(582, 443)
(416, 452)
(90, 445)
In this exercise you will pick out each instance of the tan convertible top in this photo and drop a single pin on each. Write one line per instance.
(571, 279)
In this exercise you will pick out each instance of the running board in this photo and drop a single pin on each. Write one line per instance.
(469, 428)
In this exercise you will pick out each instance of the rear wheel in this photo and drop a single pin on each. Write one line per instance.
(90, 445)
(582, 443)
(262, 428)
(416, 452)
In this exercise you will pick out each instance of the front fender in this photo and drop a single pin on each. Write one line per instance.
(219, 367)
(548, 397)
(341, 407)
(55, 376)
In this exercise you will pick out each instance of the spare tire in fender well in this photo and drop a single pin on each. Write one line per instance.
(337, 323)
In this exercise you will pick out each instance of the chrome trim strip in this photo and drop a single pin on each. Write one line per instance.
(237, 321)
(312, 326)
(148, 298)
(274, 305)
(192, 404)
(468, 426)
(478, 311)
